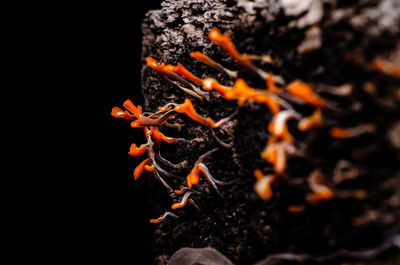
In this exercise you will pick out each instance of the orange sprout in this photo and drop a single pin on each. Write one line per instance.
(226, 43)
(271, 84)
(386, 67)
(183, 202)
(168, 69)
(140, 168)
(242, 92)
(275, 153)
(212, 84)
(295, 208)
(343, 133)
(321, 191)
(308, 123)
(182, 191)
(149, 168)
(119, 113)
(193, 177)
(205, 59)
(162, 218)
(188, 109)
(136, 112)
(263, 184)
(304, 91)
(159, 136)
(278, 127)
(210, 62)
(137, 151)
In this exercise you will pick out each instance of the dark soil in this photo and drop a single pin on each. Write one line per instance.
(239, 224)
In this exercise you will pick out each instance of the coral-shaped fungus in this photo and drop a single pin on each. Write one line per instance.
(278, 99)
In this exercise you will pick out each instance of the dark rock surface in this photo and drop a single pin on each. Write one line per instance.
(308, 40)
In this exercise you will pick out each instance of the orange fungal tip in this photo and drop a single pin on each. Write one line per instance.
(188, 109)
(210, 62)
(117, 112)
(179, 191)
(321, 191)
(263, 186)
(165, 108)
(204, 58)
(176, 205)
(386, 67)
(214, 34)
(295, 208)
(183, 202)
(271, 84)
(168, 69)
(137, 151)
(258, 174)
(162, 218)
(308, 123)
(337, 132)
(152, 63)
(278, 126)
(342, 133)
(149, 168)
(137, 111)
(140, 168)
(159, 137)
(226, 43)
(304, 91)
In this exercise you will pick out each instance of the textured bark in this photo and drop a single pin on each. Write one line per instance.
(308, 40)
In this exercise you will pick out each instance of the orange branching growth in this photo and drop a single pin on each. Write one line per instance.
(343, 133)
(162, 218)
(183, 202)
(205, 59)
(168, 69)
(193, 178)
(150, 125)
(188, 109)
(386, 67)
(137, 151)
(308, 123)
(321, 191)
(210, 62)
(159, 137)
(278, 126)
(226, 43)
(135, 113)
(263, 184)
(275, 153)
(182, 191)
(299, 89)
(242, 92)
(119, 113)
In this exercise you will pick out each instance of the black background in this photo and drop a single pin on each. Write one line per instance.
(115, 208)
